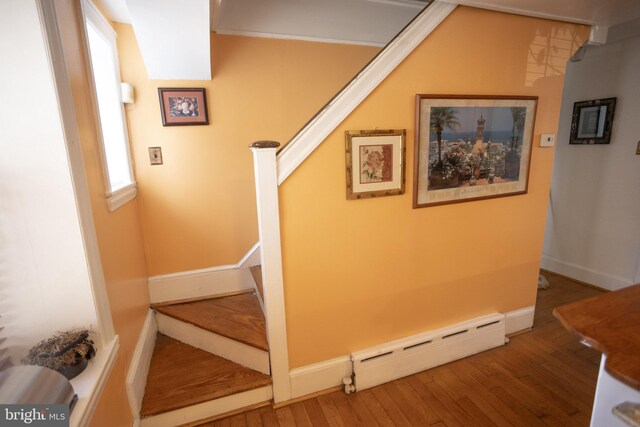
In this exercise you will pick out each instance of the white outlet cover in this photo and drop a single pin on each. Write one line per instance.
(547, 140)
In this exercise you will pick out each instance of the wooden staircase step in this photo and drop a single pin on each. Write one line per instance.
(181, 376)
(237, 317)
(256, 272)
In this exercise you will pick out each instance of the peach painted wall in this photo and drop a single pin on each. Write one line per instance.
(119, 232)
(363, 272)
(198, 209)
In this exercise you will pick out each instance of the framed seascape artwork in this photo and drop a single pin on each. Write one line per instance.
(471, 147)
(183, 106)
(375, 163)
(592, 120)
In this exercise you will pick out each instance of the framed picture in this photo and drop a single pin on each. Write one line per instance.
(592, 120)
(471, 147)
(183, 106)
(375, 163)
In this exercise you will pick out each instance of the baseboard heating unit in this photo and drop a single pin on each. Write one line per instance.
(413, 354)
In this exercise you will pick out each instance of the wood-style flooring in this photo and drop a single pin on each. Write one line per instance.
(238, 317)
(181, 375)
(541, 378)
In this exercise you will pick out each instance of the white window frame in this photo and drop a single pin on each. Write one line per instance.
(90, 385)
(118, 197)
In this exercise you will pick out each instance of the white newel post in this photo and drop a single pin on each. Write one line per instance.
(266, 176)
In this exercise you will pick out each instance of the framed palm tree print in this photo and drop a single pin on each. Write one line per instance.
(471, 147)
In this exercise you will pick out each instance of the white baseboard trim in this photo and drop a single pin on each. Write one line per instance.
(406, 356)
(224, 279)
(319, 376)
(330, 373)
(141, 360)
(583, 274)
(519, 320)
(208, 409)
(235, 351)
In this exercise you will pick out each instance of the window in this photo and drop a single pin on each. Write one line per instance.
(106, 76)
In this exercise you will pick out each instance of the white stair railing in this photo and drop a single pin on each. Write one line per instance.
(266, 177)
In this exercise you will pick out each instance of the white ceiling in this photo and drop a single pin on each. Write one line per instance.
(605, 13)
(176, 31)
(368, 22)
(174, 37)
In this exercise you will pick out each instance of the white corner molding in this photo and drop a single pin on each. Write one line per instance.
(206, 282)
(593, 277)
(90, 384)
(319, 376)
(263, 35)
(519, 320)
(312, 135)
(140, 363)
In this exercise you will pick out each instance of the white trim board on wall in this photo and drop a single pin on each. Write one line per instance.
(205, 282)
(136, 381)
(583, 274)
(519, 320)
(319, 376)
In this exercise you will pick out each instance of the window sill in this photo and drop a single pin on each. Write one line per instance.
(121, 196)
(89, 385)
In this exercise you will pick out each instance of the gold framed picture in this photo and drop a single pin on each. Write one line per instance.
(375, 163)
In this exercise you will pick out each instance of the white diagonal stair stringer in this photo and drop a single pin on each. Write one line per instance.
(325, 122)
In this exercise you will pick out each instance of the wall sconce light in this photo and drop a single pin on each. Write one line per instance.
(127, 93)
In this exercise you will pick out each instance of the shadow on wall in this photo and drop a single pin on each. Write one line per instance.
(549, 52)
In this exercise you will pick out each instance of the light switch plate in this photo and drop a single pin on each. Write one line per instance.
(155, 155)
(547, 140)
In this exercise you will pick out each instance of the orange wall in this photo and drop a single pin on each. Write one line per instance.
(198, 209)
(363, 272)
(119, 233)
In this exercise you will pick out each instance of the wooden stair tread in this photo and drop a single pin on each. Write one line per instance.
(181, 375)
(238, 317)
(256, 272)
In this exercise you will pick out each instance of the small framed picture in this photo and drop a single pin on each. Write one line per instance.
(592, 121)
(375, 163)
(183, 106)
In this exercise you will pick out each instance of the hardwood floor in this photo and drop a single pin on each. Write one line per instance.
(541, 378)
(238, 317)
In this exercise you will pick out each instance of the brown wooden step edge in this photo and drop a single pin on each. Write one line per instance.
(181, 375)
(204, 297)
(237, 317)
